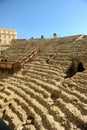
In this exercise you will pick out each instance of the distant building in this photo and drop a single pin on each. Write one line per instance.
(6, 36)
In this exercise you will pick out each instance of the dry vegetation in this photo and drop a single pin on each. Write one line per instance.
(50, 92)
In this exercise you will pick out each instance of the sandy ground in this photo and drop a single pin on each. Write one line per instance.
(39, 97)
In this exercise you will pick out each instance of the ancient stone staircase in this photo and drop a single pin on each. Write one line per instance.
(39, 97)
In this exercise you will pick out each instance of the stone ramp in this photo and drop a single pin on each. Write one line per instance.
(14, 58)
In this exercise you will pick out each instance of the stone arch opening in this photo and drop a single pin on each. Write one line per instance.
(80, 67)
(75, 67)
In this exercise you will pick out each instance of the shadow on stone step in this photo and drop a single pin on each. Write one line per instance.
(3, 125)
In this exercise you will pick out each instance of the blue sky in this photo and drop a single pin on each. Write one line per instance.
(33, 18)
